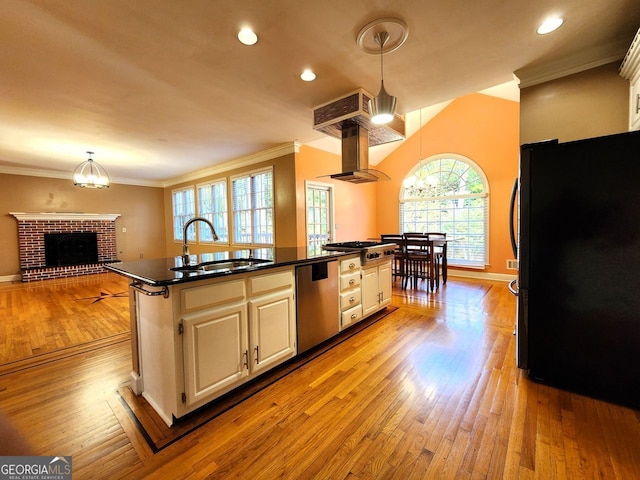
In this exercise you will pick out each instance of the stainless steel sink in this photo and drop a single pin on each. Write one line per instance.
(222, 265)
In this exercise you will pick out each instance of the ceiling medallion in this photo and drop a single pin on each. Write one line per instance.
(396, 29)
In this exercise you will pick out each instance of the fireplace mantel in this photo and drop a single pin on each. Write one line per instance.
(64, 216)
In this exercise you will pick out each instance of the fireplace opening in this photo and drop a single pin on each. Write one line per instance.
(62, 249)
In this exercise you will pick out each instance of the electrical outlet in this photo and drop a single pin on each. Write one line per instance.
(142, 255)
(124, 229)
(512, 264)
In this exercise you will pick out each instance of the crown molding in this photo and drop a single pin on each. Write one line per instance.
(279, 151)
(630, 68)
(37, 172)
(569, 65)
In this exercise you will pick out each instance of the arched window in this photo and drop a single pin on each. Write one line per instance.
(449, 193)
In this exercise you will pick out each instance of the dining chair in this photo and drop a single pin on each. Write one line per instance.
(419, 260)
(440, 254)
(398, 255)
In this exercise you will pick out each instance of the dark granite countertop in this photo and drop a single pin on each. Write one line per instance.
(157, 272)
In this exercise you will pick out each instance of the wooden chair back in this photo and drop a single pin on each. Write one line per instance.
(396, 238)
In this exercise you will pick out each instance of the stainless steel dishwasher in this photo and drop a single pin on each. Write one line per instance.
(318, 313)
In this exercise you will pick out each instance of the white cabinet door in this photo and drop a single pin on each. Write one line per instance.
(385, 280)
(215, 351)
(376, 287)
(370, 291)
(273, 329)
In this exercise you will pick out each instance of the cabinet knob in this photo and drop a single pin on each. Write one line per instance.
(352, 265)
(352, 281)
(353, 316)
(352, 299)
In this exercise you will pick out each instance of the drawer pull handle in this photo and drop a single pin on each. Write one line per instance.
(352, 299)
(352, 265)
(352, 281)
(353, 315)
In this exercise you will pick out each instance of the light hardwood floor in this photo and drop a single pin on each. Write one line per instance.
(430, 391)
(46, 317)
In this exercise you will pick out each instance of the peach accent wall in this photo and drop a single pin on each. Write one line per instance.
(355, 204)
(480, 127)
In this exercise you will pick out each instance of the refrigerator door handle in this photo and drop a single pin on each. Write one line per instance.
(512, 206)
(513, 288)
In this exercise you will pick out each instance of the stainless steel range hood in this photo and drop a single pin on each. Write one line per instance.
(347, 118)
(355, 156)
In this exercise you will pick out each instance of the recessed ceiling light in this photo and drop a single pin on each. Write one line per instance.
(549, 25)
(308, 75)
(247, 36)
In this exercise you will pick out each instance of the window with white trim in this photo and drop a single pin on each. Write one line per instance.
(183, 210)
(450, 194)
(212, 205)
(252, 204)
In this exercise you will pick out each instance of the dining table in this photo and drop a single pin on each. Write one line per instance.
(429, 242)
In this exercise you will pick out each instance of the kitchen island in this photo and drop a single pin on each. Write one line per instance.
(205, 325)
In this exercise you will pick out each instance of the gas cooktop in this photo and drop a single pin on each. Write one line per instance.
(369, 250)
(357, 245)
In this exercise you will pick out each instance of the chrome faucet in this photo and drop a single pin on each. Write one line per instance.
(185, 246)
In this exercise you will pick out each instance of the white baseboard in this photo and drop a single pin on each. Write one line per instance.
(136, 383)
(498, 277)
(11, 278)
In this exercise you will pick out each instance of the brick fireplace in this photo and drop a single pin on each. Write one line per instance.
(32, 228)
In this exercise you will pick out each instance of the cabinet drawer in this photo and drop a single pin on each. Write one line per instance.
(270, 282)
(210, 295)
(350, 280)
(350, 299)
(351, 316)
(350, 265)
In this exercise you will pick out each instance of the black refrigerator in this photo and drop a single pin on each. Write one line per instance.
(578, 247)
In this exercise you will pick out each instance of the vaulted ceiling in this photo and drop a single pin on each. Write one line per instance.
(161, 88)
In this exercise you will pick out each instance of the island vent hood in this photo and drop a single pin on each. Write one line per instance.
(347, 118)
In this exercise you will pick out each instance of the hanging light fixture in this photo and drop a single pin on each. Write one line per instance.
(90, 174)
(383, 107)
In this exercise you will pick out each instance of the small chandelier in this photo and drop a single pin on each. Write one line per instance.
(383, 107)
(90, 174)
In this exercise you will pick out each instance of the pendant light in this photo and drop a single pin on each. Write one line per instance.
(90, 174)
(382, 108)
